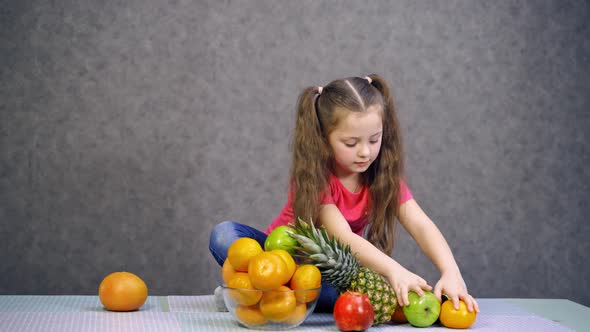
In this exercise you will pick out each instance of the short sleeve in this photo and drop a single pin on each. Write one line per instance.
(405, 193)
(285, 217)
(327, 197)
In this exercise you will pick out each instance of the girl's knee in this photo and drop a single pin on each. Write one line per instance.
(221, 230)
(224, 226)
(225, 233)
(221, 237)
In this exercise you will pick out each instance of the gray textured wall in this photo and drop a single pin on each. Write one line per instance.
(128, 129)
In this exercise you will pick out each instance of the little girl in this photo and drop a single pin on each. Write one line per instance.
(347, 177)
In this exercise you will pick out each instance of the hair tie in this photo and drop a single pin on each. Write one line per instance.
(320, 90)
(368, 79)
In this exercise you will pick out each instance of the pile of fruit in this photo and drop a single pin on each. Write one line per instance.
(353, 312)
(355, 283)
(425, 310)
(268, 285)
(340, 268)
(366, 297)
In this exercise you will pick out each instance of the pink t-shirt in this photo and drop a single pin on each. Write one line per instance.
(353, 206)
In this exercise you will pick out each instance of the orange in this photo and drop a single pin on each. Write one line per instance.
(298, 315)
(268, 271)
(250, 316)
(241, 251)
(246, 295)
(122, 291)
(278, 305)
(286, 256)
(306, 276)
(456, 319)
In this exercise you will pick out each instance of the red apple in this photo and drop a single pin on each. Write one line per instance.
(353, 312)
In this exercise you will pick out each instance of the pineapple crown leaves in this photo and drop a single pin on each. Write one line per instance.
(342, 269)
(331, 247)
(327, 253)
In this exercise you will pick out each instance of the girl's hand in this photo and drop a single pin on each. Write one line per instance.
(404, 281)
(453, 286)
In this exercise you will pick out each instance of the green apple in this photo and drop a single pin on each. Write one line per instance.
(422, 311)
(279, 238)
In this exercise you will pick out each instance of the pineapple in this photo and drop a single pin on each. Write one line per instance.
(339, 267)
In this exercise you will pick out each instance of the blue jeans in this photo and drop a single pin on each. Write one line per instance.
(225, 233)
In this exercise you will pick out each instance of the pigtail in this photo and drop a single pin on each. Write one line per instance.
(311, 157)
(392, 133)
(387, 173)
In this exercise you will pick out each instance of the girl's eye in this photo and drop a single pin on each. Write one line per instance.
(350, 145)
(374, 142)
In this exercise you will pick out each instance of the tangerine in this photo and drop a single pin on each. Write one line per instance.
(227, 271)
(298, 315)
(241, 251)
(250, 315)
(278, 305)
(246, 294)
(268, 271)
(306, 277)
(122, 291)
(456, 319)
(286, 256)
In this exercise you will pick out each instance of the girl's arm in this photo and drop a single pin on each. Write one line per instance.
(434, 245)
(400, 278)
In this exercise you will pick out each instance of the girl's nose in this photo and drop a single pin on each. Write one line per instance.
(364, 150)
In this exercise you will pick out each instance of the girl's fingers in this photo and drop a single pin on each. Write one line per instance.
(438, 292)
(423, 284)
(455, 299)
(398, 294)
(404, 296)
(469, 302)
(419, 287)
(418, 290)
(475, 305)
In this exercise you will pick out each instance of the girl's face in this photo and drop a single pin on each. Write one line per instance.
(356, 140)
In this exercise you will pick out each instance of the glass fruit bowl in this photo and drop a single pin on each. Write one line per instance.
(279, 309)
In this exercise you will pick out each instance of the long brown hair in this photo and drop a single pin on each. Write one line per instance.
(317, 116)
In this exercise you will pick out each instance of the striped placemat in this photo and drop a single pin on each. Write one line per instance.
(210, 321)
(204, 303)
(224, 322)
(89, 321)
(56, 303)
